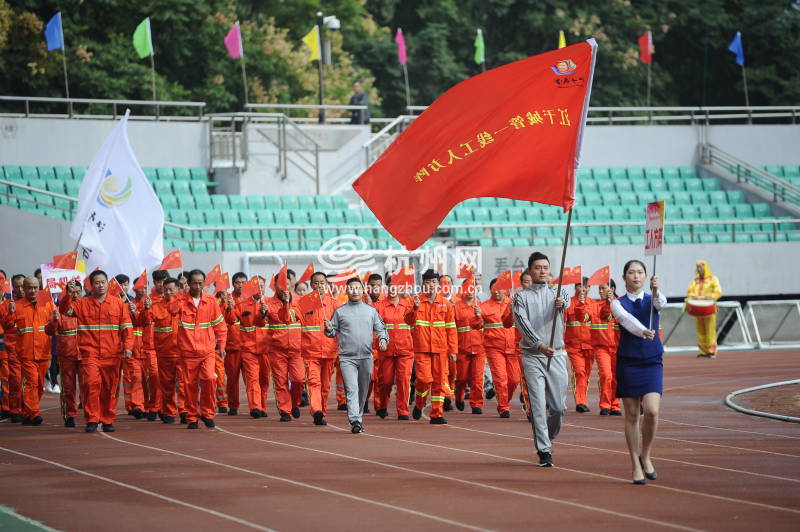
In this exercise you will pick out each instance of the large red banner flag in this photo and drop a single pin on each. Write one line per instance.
(512, 132)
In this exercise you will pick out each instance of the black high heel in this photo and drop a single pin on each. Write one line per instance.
(650, 476)
(640, 482)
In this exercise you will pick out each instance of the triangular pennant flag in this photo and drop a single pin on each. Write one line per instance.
(306, 277)
(311, 39)
(213, 275)
(516, 279)
(66, 261)
(141, 282)
(172, 261)
(223, 284)
(601, 276)
(282, 279)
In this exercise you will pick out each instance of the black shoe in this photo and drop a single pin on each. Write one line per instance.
(130, 412)
(263, 413)
(91, 427)
(222, 410)
(319, 418)
(183, 417)
(357, 428)
(296, 413)
(169, 420)
(255, 413)
(460, 405)
(416, 413)
(233, 412)
(5, 414)
(477, 410)
(648, 476)
(605, 412)
(545, 459)
(640, 482)
(37, 421)
(192, 425)
(448, 404)
(285, 417)
(505, 415)
(16, 418)
(69, 422)
(151, 416)
(208, 422)
(342, 407)
(438, 421)
(382, 413)
(402, 417)
(160, 416)
(582, 408)
(490, 393)
(27, 421)
(615, 412)
(137, 413)
(530, 418)
(108, 427)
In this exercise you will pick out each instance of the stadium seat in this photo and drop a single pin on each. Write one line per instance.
(323, 202)
(289, 202)
(605, 187)
(339, 202)
(584, 173)
(623, 186)
(237, 202)
(601, 173)
(180, 188)
(352, 216)
(735, 196)
(282, 218)
(488, 203)
(149, 173)
(254, 202)
(618, 173)
(694, 184)
(653, 172)
(498, 215)
(199, 174)
(774, 169)
(272, 202)
(78, 172)
(198, 188)
(636, 172)
(718, 197)
(670, 172)
(185, 202)
(220, 201)
(165, 173)
(169, 202)
(676, 185)
(710, 184)
(761, 210)
(306, 202)
(743, 210)
(300, 216)
(688, 171)
(761, 238)
(743, 237)
(791, 171)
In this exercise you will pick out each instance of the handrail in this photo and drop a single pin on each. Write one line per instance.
(158, 104)
(305, 106)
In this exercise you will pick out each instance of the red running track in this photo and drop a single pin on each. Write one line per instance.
(718, 469)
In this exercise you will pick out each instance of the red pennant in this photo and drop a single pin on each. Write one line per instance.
(306, 277)
(213, 275)
(114, 289)
(43, 297)
(516, 279)
(646, 48)
(571, 276)
(283, 278)
(172, 261)
(251, 288)
(503, 281)
(223, 284)
(310, 302)
(601, 276)
(66, 261)
(340, 279)
(141, 282)
(87, 282)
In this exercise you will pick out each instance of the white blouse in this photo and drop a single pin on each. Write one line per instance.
(626, 319)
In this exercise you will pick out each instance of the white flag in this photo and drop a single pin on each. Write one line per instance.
(120, 221)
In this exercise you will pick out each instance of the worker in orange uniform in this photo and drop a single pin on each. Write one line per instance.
(434, 340)
(105, 335)
(244, 315)
(446, 283)
(34, 322)
(340, 298)
(233, 358)
(157, 308)
(373, 293)
(471, 352)
(144, 352)
(398, 360)
(69, 360)
(500, 344)
(201, 330)
(14, 398)
(133, 367)
(578, 340)
(5, 327)
(285, 359)
(221, 396)
(319, 352)
(605, 340)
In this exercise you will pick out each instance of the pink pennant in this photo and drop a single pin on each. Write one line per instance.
(401, 46)
(233, 41)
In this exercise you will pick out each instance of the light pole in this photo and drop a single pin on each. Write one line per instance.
(333, 24)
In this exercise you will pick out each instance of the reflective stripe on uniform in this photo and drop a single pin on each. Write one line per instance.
(310, 328)
(162, 329)
(98, 327)
(68, 332)
(245, 328)
(463, 329)
(493, 325)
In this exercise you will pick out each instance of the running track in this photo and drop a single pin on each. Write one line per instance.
(718, 470)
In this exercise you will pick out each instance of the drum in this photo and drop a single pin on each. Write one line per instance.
(700, 307)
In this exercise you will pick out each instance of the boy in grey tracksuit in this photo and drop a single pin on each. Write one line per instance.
(354, 323)
(533, 310)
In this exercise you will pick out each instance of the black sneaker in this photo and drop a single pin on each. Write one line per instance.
(416, 413)
(357, 428)
(192, 425)
(263, 413)
(37, 421)
(545, 459)
(91, 427)
(490, 393)
(296, 413)
(460, 405)
(137, 413)
(169, 420)
(319, 418)
(5, 414)
(581, 408)
(183, 417)
(69, 422)
(505, 414)
(285, 417)
(27, 421)
(402, 417)
(382, 413)
(151, 416)
(255, 413)
(208, 422)
(342, 407)
(16, 418)
(108, 427)
(615, 413)
(477, 410)
(233, 412)
(448, 404)
(222, 410)
(438, 421)
(604, 411)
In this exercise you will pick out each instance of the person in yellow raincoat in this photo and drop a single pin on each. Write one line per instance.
(705, 286)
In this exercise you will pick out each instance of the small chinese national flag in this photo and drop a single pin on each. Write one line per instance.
(213, 275)
(571, 276)
(66, 261)
(251, 288)
(114, 289)
(516, 279)
(172, 261)
(310, 302)
(306, 277)
(87, 282)
(503, 281)
(223, 284)
(365, 277)
(646, 48)
(282, 279)
(601, 276)
(341, 278)
(5, 285)
(43, 297)
(465, 272)
(141, 282)
(404, 276)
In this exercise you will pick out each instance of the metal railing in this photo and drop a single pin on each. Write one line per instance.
(779, 190)
(381, 140)
(194, 109)
(779, 327)
(679, 333)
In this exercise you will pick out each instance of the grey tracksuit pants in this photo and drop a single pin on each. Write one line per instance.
(356, 375)
(547, 396)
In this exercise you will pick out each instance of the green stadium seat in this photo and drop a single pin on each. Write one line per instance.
(177, 216)
(724, 238)
(149, 173)
(163, 188)
(509, 231)
(505, 202)
(340, 202)
(617, 173)
(602, 214)
(710, 183)
(774, 169)
(626, 198)
(182, 173)
(45, 172)
(623, 240)
(521, 242)
(635, 172)
(486, 242)
(601, 173)
(73, 189)
(742, 237)
(169, 202)
(675, 185)
(306, 202)
(318, 217)
(248, 218)
(694, 184)
(283, 218)
(587, 241)
(725, 212)
(761, 210)
(641, 185)
(707, 238)
(480, 214)
(743, 210)
(503, 243)
(165, 173)
(700, 198)
(352, 216)
(735, 196)
(198, 188)
(718, 197)
(652, 172)
(516, 215)
(237, 202)
(63, 173)
(199, 173)
(761, 238)
(623, 186)
(56, 185)
(79, 172)
(603, 240)
(584, 173)
(463, 215)
(539, 241)
(12, 173)
(288, 202)
(231, 245)
(265, 217)
(791, 171)
(271, 202)
(498, 215)
(220, 201)
(185, 202)
(605, 187)
(689, 212)
(38, 183)
(682, 198)
(687, 171)
(670, 172)
(300, 216)
(323, 202)
(28, 173)
(793, 236)
(254, 201)
(336, 217)
(587, 186)
(327, 234)
(488, 203)
(180, 188)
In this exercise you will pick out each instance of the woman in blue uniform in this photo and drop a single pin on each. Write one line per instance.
(639, 365)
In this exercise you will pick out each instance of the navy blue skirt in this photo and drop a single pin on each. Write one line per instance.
(637, 377)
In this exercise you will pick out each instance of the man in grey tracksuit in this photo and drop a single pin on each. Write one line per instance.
(534, 310)
(354, 323)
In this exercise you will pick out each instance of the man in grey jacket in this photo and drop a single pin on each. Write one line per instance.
(353, 324)
(534, 310)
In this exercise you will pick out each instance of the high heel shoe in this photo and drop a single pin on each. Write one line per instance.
(649, 476)
(639, 482)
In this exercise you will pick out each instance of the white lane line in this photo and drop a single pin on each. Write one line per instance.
(468, 482)
(662, 420)
(142, 490)
(588, 473)
(720, 445)
(709, 383)
(301, 484)
(33, 522)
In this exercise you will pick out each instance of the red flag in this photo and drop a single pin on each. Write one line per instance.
(306, 277)
(66, 261)
(172, 261)
(512, 132)
(467, 287)
(213, 275)
(516, 279)
(646, 48)
(571, 276)
(87, 282)
(114, 289)
(340, 279)
(251, 288)
(365, 277)
(503, 281)
(43, 297)
(404, 276)
(282, 281)
(5, 285)
(465, 272)
(223, 284)
(601, 276)
(310, 302)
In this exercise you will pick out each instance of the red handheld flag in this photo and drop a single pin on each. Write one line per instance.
(43, 297)
(512, 132)
(87, 282)
(5, 286)
(465, 272)
(213, 275)
(571, 276)
(516, 279)
(141, 282)
(503, 281)
(282, 280)
(310, 302)
(601, 276)
(114, 289)
(404, 276)
(365, 277)
(646, 48)
(66, 261)
(251, 288)
(223, 284)
(306, 277)
(172, 261)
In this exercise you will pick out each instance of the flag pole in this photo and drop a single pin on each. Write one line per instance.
(746, 93)
(244, 70)
(652, 300)
(153, 75)
(64, 58)
(649, 77)
(408, 89)
(560, 282)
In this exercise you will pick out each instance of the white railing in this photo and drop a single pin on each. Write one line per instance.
(117, 107)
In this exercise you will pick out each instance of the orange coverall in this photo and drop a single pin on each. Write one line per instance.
(501, 352)
(233, 359)
(319, 353)
(397, 361)
(33, 351)
(133, 368)
(12, 399)
(471, 353)
(151, 390)
(252, 339)
(434, 340)
(578, 341)
(170, 365)
(285, 359)
(604, 341)
(69, 363)
(4, 370)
